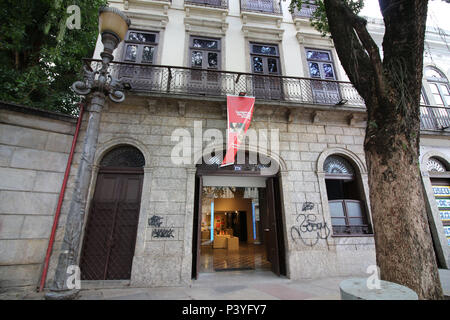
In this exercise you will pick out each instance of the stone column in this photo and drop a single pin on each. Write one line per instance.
(75, 218)
(186, 267)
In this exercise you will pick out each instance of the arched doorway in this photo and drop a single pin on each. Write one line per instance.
(110, 234)
(438, 171)
(241, 227)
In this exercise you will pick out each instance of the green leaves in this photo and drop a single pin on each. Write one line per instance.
(36, 67)
(319, 17)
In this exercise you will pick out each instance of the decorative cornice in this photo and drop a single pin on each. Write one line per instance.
(209, 26)
(164, 4)
(314, 39)
(262, 33)
(158, 21)
(181, 108)
(219, 13)
(151, 105)
(256, 16)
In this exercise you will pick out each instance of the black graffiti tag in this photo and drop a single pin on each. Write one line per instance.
(162, 233)
(308, 206)
(155, 221)
(308, 224)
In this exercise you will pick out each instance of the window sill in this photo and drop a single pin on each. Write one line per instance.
(355, 235)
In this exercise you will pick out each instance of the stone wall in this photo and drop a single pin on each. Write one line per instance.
(34, 148)
(168, 189)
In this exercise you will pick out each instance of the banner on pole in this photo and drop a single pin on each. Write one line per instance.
(240, 112)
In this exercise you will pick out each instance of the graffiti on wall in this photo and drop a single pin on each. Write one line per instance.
(308, 230)
(163, 233)
(158, 232)
(155, 221)
(307, 206)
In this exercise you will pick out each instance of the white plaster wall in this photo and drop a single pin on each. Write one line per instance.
(236, 56)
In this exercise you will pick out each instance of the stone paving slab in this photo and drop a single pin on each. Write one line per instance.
(246, 294)
(199, 293)
(284, 292)
(444, 275)
(236, 285)
(220, 286)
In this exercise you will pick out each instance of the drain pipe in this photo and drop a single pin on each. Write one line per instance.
(60, 200)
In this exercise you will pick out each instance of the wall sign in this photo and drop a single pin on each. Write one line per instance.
(443, 203)
(442, 195)
(445, 215)
(441, 191)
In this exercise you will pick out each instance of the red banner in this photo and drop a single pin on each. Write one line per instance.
(240, 112)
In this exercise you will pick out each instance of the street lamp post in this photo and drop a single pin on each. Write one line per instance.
(97, 85)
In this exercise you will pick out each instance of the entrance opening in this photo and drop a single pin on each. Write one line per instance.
(110, 235)
(237, 220)
(231, 230)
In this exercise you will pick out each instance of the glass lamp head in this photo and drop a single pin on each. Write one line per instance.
(113, 26)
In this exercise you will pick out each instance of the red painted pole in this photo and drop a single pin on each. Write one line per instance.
(60, 200)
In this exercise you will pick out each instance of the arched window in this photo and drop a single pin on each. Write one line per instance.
(435, 165)
(124, 156)
(439, 87)
(345, 197)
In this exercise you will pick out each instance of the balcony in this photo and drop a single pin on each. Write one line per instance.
(208, 3)
(306, 11)
(182, 81)
(216, 83)
(434, 118)
(262, 6)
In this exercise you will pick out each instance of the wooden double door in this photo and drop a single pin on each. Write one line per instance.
(110, 234)
(272, 226)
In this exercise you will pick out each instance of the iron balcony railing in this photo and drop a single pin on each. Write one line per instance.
(141, 78)
(306, 11)
(209, 3)
(217, 83)
(263, 6)
(434, 118)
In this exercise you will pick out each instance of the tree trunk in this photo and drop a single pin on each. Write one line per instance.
(404, 248)
(391, 90)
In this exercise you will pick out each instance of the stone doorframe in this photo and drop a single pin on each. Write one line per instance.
(101, 151)
(436, 227)
(288, 212)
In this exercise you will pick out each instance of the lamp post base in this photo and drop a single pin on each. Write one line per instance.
(62, 295)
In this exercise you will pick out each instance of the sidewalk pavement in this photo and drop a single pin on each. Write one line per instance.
(235, 285)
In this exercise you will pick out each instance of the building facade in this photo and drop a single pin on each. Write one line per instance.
(160, 215)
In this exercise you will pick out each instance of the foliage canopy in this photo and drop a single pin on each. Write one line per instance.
(319, 16)
(40, 57)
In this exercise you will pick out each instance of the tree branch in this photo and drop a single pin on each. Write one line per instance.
(359, 25)
(403, 44)
(361, 58)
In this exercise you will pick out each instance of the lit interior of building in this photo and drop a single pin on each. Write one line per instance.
(232, 236)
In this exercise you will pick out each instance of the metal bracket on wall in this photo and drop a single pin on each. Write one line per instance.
(181, 108)
(151, 106)
(315, 117)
